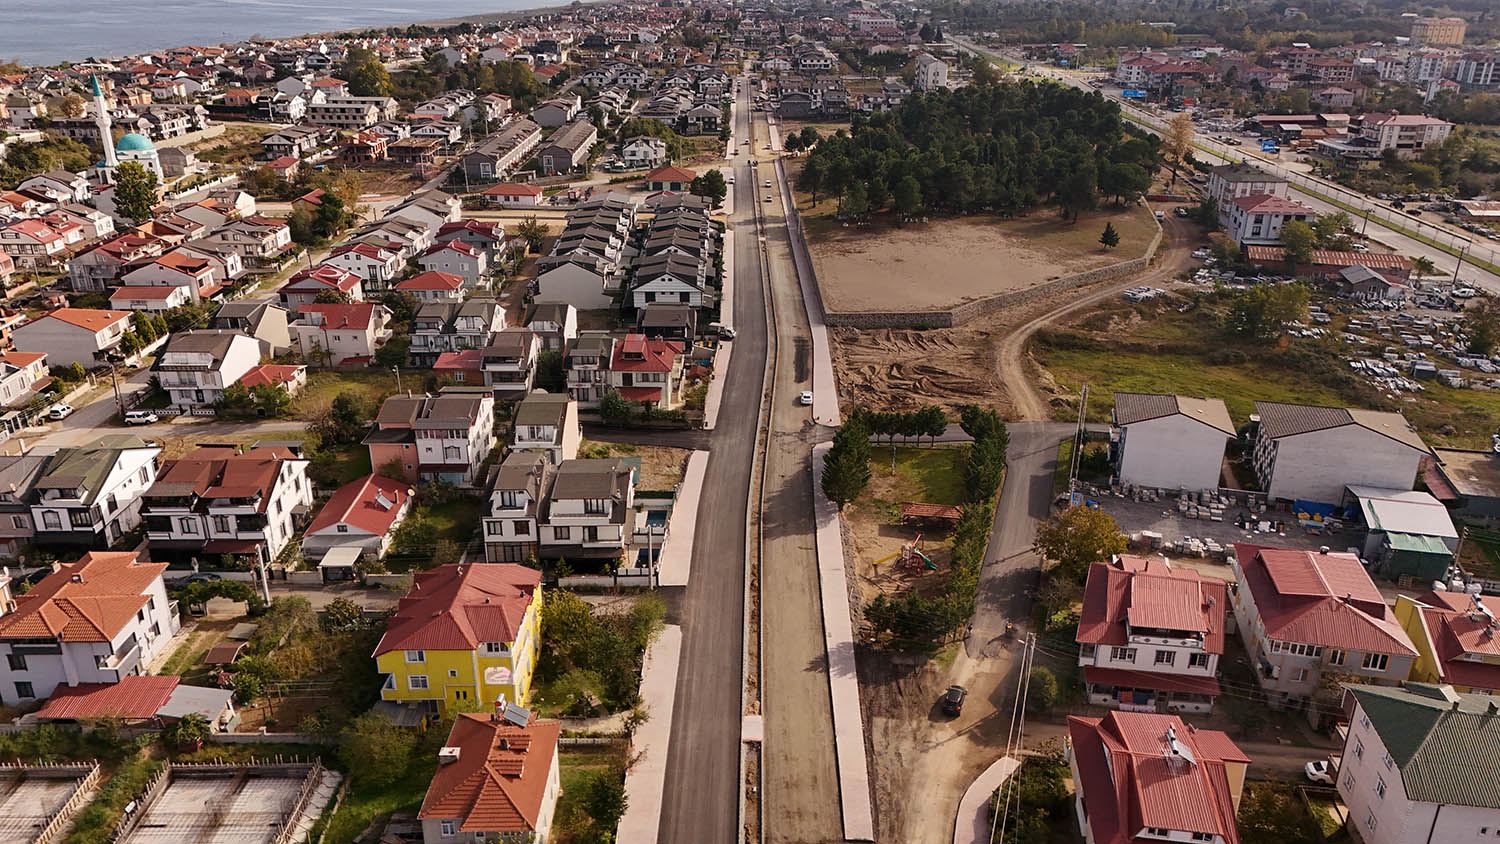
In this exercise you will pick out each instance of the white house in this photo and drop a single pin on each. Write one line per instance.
(347, 333)
(1228, 182)
(509, 362)
(553, 113)
(73, 335)
(97, 620)
(510, 527)
(195, 271)
(375, 266)
(577, 283)
(590, 511)
(360, 514)
(141, 298)
(1310, 453)
(445, 437)
(89, 496)
(1259, 218)
(195, 367)
(547, 423)
(1419, 766)
(457, 258)
(507, 193)
(1168, 441)
(433, 286)
(931, 73)
(644, 152)
(1150, 636)
(305, 285)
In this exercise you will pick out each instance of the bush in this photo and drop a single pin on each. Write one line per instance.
(1041, 693)
(376, 751)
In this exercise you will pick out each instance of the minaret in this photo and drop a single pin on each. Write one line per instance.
(101, 117)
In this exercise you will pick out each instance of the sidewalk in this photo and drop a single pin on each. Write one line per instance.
(715, 395)
(646, 778)
(973, 823)
(825, 388)
(675, 564)
(843, 680)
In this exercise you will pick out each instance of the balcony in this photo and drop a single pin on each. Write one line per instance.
(121, 664)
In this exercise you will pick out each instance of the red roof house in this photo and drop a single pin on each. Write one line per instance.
(361, 513)
(135, 698)
(1139, 773)
(670, 178)
(502, 779)
(645, 370)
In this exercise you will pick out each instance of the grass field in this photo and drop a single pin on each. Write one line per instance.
(577, 766)
(323, 387)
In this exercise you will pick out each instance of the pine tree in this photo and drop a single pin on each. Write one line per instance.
(1110, 238)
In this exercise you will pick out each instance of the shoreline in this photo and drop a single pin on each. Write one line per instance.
(436, 23)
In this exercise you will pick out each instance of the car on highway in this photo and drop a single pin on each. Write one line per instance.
(953, 700)
(768, 199)
(1321, 771)
(768, 182)
(805, 399)
(60, 411)
(730, 180)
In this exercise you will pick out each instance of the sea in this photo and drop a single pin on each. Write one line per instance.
(44, 32)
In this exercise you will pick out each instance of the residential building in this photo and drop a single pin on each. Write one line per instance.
(376, 266)
(502, 152)
(361, 514)
(289, 377)
(931, 73)
(555, 324)
(22, 376)
(677, 324)
(547, 423)
(431, 209)
(485, 236)
(1259, 218)
(439, 327)
(669, 177)
(433, 286)
(1307, 453)
(589, 512)
(457, 258)
(1140, 777)
(509, 194)
(97, 620)
(586, 366)
(347, 334)
(553, 113)
(18, 472)
(195, 367)
(1302, 613)
(73, 335)
(511, 529)
(262, 320)
(218, 500)
(1150, 636)
(568, 148)
(353, 113)
(298, 141)
(670, 279)
(1168, 441)
(194, 270)
(464, 634)
(305, 285)
(1228, 182)
(1407, 134)
(1440, 31)
(1418, 764)
(646, 371)
(138, 298)
(259, 241)
(1454, 634)
(445, 437)
(88, 496)
(510, 362)
(492, 761)
(465, 368)
(643, 151)
(32, 244)
(92, 270)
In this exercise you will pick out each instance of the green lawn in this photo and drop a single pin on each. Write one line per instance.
(577, 765)
(929, 475)
(323, 387)
(455, 520)
(364, 804)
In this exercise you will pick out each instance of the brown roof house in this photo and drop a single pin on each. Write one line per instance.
(497, 780)
(1171, 442)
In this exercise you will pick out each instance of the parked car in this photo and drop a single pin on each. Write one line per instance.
(60, 411)
(805, 399)
(141, 417)
(953, 700)
(1321, 771)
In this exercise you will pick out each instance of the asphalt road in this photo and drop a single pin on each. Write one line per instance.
(702, 789)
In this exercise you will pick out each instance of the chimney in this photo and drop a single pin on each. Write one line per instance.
(448, 755)
(77, 578)
(499, 710)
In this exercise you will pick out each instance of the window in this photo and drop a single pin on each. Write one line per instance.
(450, 828)
(18, 522)
(593, 506)
(155, 629)
(1364, 721)
(1122, 654)
(1349, 781)
(417, 682)
(145, 474)
(452, 672)
(81, 518)
(390, 682)
(416, 656)
(51, 521)
(460, 694)
(1301, 676)
(523, 527)
(17, 662)
(1166, 657)
(509, 499)
(1390, 763)
(341, 528)
(1335, 657)
(1380, 787)
(1359, 750)
(1197, 660)
(1370, 821)
(25, 690)
(223, 524)
(590, 533)
(493, 528)
(562, 533)
(496, 648)
(1203, 836)
(1375, 662)
(187, 524)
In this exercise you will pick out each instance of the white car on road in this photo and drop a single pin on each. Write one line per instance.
(805, 399)
(60, 411)
(1320, 771)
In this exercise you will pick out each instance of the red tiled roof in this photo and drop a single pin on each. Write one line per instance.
(1265, 203)
(21, 359)
(455, 607)
(500, 778)
(432, 280)
(356, 316)
(1131, 779)
(326, 275)
(641, 393)
(670, 173)
(513, 190)
(1457, 631)
(467, 359)
(136, 698)
(268, 373)
(454, 245)
(489, 229)
(354, 504)
(1319, 599)
(110, 589)
(1150, 593)
(1333, 258)
(89, 318)
(637, 354)
(144, 291)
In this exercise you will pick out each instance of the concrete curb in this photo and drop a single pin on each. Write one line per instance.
(715, 397)
(676, 561)
(646, 779)
(843, 678)
(973, 824)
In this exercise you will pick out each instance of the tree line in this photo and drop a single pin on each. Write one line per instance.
(1004, 148)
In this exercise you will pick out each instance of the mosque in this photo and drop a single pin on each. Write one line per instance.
(132, 146)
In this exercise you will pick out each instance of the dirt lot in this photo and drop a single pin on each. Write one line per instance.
(932, 266)
(661, 467)
(874, 535)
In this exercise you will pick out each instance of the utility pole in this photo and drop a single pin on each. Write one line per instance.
(1461, 255)
(119, 400)
(397, 369)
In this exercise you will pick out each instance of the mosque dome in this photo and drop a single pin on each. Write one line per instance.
(134, 142)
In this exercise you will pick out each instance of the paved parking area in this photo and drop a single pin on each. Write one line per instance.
(204, 810)
(28, 803)
(1162, 517)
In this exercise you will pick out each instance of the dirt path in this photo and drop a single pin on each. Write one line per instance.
(1174, 256)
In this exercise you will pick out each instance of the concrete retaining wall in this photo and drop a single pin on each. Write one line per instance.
(980, 307)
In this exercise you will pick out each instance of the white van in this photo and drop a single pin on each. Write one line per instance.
(141, 417)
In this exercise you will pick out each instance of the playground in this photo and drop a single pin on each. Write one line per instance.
(897, 533)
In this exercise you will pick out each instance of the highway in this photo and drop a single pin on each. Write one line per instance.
(1310, 191)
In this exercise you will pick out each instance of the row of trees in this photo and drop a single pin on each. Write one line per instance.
(1006, 148)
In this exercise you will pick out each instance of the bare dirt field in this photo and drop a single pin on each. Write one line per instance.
(932, 266)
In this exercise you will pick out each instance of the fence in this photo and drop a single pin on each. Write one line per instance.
(271, 738)
(129, 822)
(82, 793)
(289, 825)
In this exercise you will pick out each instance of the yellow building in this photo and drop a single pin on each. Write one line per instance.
(464, 636)
(1457, 641)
